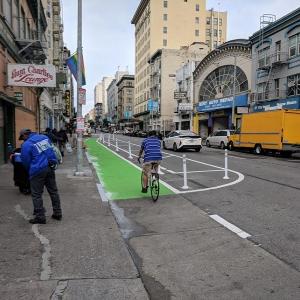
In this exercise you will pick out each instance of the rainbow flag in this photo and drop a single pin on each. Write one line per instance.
(72, 64)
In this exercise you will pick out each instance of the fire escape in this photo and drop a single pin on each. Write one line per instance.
(269, 61)
(33, 43)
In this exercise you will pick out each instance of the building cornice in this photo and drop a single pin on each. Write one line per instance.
(143, 4)
(240, 47)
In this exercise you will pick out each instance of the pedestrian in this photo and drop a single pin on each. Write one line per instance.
(63, 139)
(40, 161)
(21, 177)
(52, 137)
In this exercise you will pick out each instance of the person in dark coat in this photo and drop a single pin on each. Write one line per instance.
(21, 177)
(63, 139)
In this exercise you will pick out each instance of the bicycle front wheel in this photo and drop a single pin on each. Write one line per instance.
(155, 189)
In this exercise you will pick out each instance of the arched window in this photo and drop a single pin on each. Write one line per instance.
(219, 83)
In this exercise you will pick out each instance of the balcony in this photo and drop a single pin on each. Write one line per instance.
(268, 95)
(276, 59)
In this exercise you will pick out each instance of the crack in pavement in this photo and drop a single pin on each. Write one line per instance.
(59, 290)
(46, 267)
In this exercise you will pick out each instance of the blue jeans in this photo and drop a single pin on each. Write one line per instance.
(45, 178)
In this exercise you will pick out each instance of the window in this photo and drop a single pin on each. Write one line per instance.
(165, 43)
(15, 17)
(215, 21)
(7, 11)
(292, 46)
(197, 20)
(197, 7)
(207, 21)
(196, 32)
(215, 32)
(207, 31)
(294, 85)
(165, 30)
(165, 17)
(220, 22)
(165, 4)
(277, 94)
(215, 44)
(220, 33)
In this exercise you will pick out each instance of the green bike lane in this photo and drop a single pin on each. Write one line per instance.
(119, 178)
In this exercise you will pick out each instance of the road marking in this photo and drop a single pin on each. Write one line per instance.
(236, 157)
(46, 256)
(240, 178)
(174, 190)
(189, 172)
(230, 226)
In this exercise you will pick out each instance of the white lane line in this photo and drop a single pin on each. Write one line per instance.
(205, 171)
(174, 190)
(230, 226)
(102, 193)
(170, 171)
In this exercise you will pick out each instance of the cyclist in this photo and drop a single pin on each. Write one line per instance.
(152, 157)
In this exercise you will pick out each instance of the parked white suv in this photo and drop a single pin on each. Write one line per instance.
(219, 138)
(182, 139)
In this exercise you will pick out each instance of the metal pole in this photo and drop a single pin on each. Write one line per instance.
(117, 145)
(233, 100)
(185, 186)
(129, 150)
(226, 165)
(79, 85)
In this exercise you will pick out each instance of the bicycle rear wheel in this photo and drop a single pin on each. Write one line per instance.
(155, 188)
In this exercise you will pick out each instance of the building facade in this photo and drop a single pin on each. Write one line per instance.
(223, 75)
(125, 101)
(169, 24)
(22, 40)
(112, 99)
(164, 64)
(276, 64)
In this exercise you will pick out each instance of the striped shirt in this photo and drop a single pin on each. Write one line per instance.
(151, 147)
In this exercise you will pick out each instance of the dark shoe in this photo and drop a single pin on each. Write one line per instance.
(37, 221)
(144, 190)
(56, 217)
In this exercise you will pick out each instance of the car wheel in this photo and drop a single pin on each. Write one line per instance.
(230, 146)
(198, 149)
(164, 145)
(222, 145)
(258, 149)
(175, 147)
(207, 144)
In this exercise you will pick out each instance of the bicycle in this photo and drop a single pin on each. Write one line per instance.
(153, 182)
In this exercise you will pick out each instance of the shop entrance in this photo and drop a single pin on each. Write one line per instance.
(220, 123)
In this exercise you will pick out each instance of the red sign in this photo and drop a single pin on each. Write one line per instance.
(82, 96)
(80, 124)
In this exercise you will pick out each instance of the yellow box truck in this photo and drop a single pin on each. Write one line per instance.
(277, 130)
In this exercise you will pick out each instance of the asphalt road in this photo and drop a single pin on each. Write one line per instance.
(235, 238)
(266, 204)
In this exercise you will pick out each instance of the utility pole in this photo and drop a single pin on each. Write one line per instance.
(233, 100)
(79, 171)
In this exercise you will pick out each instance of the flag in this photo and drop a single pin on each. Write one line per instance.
(72, 64)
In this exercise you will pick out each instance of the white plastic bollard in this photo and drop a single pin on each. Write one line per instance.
(117, 145)
(226, 165)
(103, 139)
(185, 186)
(109, 140)
(113, 136)
(129, 150)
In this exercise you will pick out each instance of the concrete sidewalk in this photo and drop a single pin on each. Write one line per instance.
(81, 257)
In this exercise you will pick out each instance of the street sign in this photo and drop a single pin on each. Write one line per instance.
(185, 107)
(180, 95)
(82, 96)
(152, 105)
(19, 97)
(80, 124)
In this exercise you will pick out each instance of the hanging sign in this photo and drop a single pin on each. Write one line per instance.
(82, 96)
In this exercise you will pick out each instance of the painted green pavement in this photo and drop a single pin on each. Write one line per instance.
(120, 179)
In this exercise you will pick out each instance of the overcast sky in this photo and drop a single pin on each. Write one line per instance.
(108, 36)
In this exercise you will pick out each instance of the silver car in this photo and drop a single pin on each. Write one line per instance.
(219, 138)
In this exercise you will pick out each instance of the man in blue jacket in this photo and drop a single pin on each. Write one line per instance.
(39, 159)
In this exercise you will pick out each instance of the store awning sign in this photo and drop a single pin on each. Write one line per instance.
(30, 75)
(211, 105)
